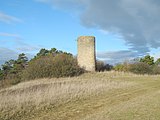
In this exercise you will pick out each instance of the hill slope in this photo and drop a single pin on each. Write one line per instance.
(98, 96)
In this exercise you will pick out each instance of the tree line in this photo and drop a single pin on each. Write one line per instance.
(57, 63)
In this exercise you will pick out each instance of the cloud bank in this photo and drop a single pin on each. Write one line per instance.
(137, 21)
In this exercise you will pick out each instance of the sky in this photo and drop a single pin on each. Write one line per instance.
(124, 29)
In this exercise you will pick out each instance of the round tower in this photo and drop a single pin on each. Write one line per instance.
(86, 53)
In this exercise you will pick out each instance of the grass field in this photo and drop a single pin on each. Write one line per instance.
(92, 96)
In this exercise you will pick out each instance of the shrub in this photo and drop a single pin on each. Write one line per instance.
(1, 75)
(100, 66)
(62, 65)
(140, 68)
(119, 67)
(122, 67)
(156, 69)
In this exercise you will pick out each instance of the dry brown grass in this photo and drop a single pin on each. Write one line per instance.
(54, 96)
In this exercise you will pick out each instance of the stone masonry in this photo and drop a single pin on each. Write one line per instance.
(86, 53)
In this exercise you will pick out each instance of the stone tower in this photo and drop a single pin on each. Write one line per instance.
(86, 53)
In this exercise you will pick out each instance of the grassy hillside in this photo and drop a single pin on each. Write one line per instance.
(92, 96)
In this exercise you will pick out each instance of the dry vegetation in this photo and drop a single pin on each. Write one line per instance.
(92, 96)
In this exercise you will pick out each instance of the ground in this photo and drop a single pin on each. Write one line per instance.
(92, 96)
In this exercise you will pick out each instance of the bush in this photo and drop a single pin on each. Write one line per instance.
(1, 75)
(62, 65)
(119, 67)
(156, 69)
(100, 66)
(137, 68)
(140, 68)
(122, 67)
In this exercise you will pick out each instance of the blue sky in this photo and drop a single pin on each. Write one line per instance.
(123, 30)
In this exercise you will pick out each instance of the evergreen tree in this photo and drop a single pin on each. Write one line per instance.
(8, 65)
(22, 58)
(42, 52)
(157, 62)
(1, 74)
(148, 59)
(20, 63)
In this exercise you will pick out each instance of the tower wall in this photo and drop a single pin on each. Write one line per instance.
(86, 53)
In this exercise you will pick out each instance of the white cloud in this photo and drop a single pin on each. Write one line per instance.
(105, 32)
(24, 47)
(8, 19)
(18, 43)
(113, 57)
(18, 46)
(10, 35)
(7, 54)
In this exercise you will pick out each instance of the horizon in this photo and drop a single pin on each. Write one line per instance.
(123, 30)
